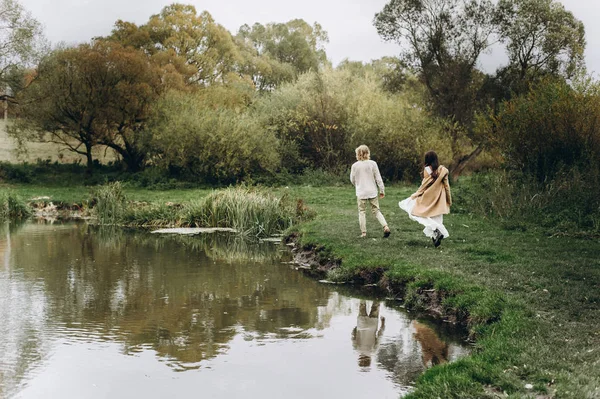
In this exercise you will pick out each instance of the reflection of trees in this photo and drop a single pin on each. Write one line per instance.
(173, 294)
(217, 246)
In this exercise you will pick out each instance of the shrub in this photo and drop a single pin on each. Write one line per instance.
(247, 210)
(250, 211)
(324, 116)
(211, 143)
(570, 201)
(552, 128)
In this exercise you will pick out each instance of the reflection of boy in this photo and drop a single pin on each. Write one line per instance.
(365, 335)
(434, 350)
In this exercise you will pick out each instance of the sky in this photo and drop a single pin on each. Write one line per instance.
(349, 23)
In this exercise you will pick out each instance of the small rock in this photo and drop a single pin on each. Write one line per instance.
(528, 386)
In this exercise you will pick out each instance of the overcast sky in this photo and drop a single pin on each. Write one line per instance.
(348, 22)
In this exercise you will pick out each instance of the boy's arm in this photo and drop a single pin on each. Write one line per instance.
(352, 180)
(378, 179)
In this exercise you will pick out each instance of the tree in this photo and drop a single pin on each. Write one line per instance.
(21, 44)
(204, 44)
(289, 49)
(542, 38)
(94, 94)
(391, 71)
(443, 41)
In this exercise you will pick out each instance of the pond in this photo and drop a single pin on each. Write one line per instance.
(110, 313)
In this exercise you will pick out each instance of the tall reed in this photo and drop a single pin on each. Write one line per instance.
(248, 210)
(110, 203)
(12, 206)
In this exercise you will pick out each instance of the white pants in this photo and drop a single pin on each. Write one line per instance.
(431, 223)
(362, 210)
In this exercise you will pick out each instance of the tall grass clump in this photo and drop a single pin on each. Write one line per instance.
(12, 206)
(250, 211)
(568, 202)
(110, 203)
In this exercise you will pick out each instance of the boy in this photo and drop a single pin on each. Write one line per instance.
(366, 178)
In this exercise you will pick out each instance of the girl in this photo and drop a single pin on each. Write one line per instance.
(431, 201)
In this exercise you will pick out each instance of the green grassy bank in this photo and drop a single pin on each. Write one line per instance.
(530, 299)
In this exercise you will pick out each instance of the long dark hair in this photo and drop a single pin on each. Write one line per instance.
(431, 160)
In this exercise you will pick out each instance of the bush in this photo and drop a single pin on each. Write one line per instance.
(213, 144)
(553, 128)
(247, 210)
(250, 211)
(324, 116)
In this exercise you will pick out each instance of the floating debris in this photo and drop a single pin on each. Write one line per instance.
(192, 231)
(276, 240)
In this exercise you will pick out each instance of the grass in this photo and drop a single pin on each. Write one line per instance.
(530, 298)
(250, 211)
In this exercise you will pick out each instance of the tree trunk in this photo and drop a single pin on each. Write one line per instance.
(459, 164)
(90, 160)
(133, 159)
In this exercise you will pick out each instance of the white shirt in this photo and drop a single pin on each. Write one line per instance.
(366, 178)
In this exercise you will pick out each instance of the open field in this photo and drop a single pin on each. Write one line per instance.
(532, 300)
(42, 151)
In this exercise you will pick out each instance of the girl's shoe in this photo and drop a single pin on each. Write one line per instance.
(437, 240)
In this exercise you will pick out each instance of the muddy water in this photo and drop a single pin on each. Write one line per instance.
(89, 313)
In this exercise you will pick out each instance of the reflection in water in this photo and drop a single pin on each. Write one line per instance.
(434, 351)
(367, 332)
(211, 314)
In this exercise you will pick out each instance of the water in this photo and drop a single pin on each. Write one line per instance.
(96, 313)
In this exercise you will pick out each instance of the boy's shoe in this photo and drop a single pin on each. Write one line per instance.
(438, 238)
(386, 233)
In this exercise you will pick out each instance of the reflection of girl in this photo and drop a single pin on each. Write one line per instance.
(434, 351)
(432, 200)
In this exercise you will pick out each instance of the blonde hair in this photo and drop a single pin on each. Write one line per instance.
(363, 153)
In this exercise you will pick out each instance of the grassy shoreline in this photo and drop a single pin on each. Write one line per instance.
(530, 299)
